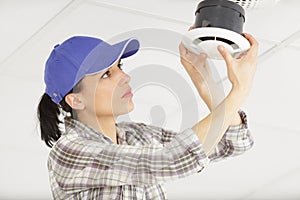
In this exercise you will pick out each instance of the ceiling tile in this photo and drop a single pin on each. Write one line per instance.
(296, 43)
(22, 19)
(274, 23)
(71, 22)
(274, 98)
(180, 10)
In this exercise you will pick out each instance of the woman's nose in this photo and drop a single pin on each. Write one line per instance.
(125, 78)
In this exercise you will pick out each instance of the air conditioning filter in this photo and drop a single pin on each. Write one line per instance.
(218, 22)
(249, 4)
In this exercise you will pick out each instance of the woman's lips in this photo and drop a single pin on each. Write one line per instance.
(127, 94)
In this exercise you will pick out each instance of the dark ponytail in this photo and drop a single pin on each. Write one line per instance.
(48, 114)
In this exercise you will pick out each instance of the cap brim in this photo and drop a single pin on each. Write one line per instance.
(124, 49)
(104, 56)
(127, 47)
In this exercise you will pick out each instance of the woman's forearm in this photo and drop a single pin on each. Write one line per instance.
(210, 92)
(211, 129)
(213, 95)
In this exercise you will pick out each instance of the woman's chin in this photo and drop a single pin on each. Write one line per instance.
(130, 106)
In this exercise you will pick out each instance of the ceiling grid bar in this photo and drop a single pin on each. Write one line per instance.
(279, 46)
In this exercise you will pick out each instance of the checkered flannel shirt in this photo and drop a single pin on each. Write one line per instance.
(85, 164)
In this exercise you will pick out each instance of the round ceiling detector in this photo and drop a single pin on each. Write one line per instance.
(218, 22)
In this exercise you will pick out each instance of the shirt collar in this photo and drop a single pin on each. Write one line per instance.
(89, 132)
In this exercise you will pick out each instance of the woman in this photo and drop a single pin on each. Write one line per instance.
(93, 157)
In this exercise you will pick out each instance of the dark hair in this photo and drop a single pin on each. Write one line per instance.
(48, 114)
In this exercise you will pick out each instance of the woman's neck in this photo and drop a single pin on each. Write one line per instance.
(105, 125)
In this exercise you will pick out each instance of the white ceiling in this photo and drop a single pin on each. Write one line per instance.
(29, 30)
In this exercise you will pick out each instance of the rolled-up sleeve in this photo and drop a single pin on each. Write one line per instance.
(86, 164)
(235, 141)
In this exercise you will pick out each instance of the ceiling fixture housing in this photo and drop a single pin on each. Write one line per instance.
(218, 22)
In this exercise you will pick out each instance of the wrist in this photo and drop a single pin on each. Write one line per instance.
(237, 96)
(201, 82)
(236, 120)
(240, 90)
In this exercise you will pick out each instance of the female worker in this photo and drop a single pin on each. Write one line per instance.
(93, 157)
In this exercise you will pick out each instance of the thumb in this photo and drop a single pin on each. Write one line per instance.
(225, 54)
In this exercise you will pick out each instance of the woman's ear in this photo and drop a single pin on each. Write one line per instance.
(74, 101)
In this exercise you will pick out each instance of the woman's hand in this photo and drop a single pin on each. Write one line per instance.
(241, 70)
(195, 65)
(200, 73)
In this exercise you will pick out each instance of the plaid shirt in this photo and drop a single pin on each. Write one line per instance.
(85, 164)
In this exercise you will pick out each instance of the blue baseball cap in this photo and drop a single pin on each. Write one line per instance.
(79, 56)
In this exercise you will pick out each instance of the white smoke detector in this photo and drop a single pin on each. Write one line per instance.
(206, 40)
(218, 22)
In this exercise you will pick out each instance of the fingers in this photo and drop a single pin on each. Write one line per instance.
(225, 54)
(199, 60)
(203, 56)
(251, 39)
(191, 27)
(183, 56)
(184, 52)
(182, 49)
(254, 44)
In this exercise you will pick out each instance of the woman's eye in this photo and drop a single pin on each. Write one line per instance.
(106, 75)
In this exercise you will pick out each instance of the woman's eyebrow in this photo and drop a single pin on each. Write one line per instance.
(103, 72)
(119, 61)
